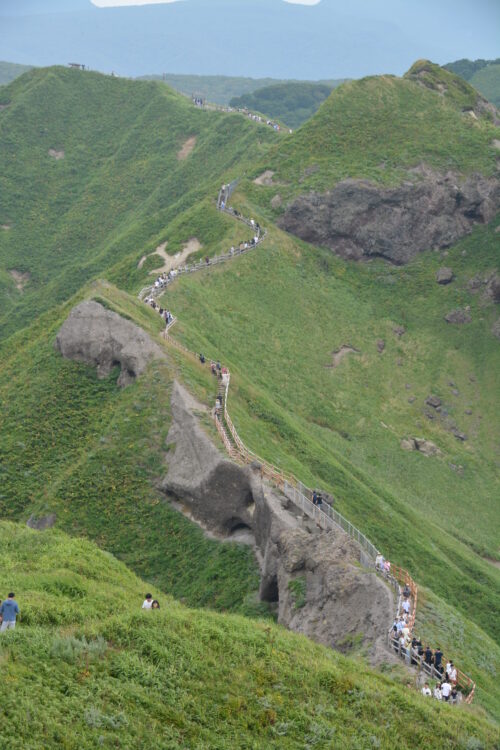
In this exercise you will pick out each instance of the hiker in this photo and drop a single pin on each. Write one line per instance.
(426, 690)
(406, 591)
(428, 656)
(437, 692)
(379, 562)
(406, 606)
(387, 567)
(148, 602)
(9, 612)
(202, 359)
(445, 690)
(452, 674)
(213, 368)
(455, 695)
(438, 657)
(155, 604)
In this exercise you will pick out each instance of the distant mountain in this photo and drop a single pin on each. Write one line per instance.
(9, 71)
(254, 38)
(291, 103)
(484, 75)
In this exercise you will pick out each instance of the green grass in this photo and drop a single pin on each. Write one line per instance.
(487, 81)
(118, 192)
(9, 71)
(86, 667)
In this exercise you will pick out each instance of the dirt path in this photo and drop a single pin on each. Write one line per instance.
(172, 261)
(20, 278)
(186, 149)
(339, 355)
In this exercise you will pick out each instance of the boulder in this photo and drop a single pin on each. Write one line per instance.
(433, 401)
(357, 219)
(276, 202)
(380, 345)
(408, 445)
(444, 276)
(399, 330)
(426, 447)
(458, 317)
(42, 522)
(100, 337)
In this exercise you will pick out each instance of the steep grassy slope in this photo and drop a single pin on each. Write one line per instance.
(89, 668)
(91, 453)
(90, 173)
(379, 128)
(291, 103)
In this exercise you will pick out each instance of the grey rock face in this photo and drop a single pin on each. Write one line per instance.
(221, 494)
(458, 317)
(444, 276)
(341, 599)
(357, 219)
(324, 594)
(100, 337)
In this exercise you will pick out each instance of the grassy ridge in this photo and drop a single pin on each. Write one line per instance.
(118, 187)
(89, 668)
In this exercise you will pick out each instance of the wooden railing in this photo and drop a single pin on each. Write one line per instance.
(325, 516)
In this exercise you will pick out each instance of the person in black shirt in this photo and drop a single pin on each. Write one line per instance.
(428, 656)
(438, 657)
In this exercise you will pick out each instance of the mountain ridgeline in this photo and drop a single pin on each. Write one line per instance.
(339, 371)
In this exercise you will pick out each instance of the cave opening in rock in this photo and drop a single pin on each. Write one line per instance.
(234, 525)
(269, 591)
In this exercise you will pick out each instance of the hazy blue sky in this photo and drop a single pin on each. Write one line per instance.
(279, 38)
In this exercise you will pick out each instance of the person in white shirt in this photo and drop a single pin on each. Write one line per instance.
(449, 665)
(148, 602)
(426, 690)
(452, 674)
(445, 690)
(406, 606)
(437, 692)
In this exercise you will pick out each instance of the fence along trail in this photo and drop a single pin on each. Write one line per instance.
(325, 516)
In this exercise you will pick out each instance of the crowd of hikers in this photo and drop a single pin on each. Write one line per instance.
(198, 101)
(165, 314)
(415, 654)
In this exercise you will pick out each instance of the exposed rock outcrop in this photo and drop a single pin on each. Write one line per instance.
(458, 316)
(444, 276)
(100, 337)
(341, 603)
(358, 219)
(326, 595)
(41, 523)
(426, 447)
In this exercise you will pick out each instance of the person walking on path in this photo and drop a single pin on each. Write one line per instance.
(9, 612)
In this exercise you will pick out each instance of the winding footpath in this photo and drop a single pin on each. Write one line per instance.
(301, 496)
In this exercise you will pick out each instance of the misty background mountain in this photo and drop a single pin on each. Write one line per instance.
(248, 37)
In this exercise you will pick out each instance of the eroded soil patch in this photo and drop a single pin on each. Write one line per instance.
(20, 278)
(186, 149)
(339, 355)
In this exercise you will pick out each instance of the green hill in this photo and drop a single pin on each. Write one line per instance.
(381, 127)
(141, 167)
(484, 75)
(89, 668)
(291, 103)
